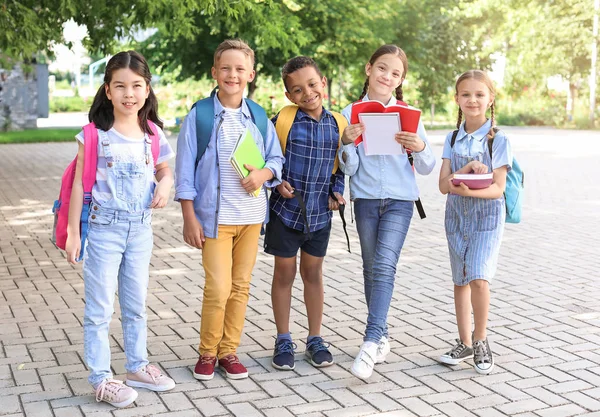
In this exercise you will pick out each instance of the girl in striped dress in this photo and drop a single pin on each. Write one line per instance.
(474, 217)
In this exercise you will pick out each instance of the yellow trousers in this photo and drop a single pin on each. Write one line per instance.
(228, 261)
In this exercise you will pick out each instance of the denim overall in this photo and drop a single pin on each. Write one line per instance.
(474, 228)
(118, 258)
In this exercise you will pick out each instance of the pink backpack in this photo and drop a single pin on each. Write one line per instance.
(90, 164)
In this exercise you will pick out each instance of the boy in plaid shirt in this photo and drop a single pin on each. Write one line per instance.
(307, 175)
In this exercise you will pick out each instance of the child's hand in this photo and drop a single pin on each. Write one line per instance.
(73, 248)
(193, 234)
(335, 205)
(256, 178)
(460, 189)
(285, 189)
(161, 195)
(410, 141)
(352, 132)
(478, 167)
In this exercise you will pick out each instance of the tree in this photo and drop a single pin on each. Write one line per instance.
(442, 39)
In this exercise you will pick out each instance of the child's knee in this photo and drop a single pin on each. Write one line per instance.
(479, 285)
(312, 275)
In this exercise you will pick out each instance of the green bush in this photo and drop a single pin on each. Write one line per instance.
(70, 104)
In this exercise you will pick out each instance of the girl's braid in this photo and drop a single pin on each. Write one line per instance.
(365, 88)
(491, 134)
(459, 121)
(399, 92)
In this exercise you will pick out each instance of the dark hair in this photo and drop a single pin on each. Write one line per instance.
(102, 110)
(295, 64)
(482, 77)
(385, 50)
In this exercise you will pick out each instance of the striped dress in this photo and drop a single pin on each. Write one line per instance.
(474, 228)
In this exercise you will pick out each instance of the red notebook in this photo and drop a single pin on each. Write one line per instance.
(409, 117)
(474, 181)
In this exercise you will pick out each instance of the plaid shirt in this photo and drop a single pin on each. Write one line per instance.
(309, 155)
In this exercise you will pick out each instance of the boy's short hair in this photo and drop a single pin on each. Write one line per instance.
(296, 64)
(236, 44)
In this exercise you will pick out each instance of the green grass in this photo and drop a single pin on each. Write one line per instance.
(39, 135)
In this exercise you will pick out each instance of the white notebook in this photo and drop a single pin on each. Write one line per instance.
(380, 132)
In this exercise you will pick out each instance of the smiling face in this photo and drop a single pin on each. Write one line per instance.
(306, 88)
(385, 75)
(127, 91)
(474, 98)
(233, 71)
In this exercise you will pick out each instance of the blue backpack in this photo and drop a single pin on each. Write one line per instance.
(205, 111)
(515, 183)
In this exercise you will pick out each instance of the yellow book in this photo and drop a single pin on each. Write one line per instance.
(246, 151)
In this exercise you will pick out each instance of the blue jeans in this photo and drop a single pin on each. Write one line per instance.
(382, 226)
(117, 257)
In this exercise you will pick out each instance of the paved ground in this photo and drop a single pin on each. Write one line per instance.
(544, 323)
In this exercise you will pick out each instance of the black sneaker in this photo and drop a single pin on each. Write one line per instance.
(318, 354)
(483, 359)
(283, 355)
(457, 354)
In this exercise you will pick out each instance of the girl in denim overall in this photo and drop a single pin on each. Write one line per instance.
(474, 217)
(384, 190)
(120, 237)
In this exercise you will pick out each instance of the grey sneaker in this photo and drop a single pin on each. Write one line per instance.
(483, 359)
(115, 393)
(150, 378)
(457, 354)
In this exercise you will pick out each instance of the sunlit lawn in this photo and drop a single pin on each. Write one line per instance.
(39, 135)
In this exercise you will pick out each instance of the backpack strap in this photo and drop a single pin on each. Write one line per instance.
(342, 123)
(491, 141)
(453, 140)
(90, 164)
(90, 160)
(259, 117)
(205, 112)
(285, 119)
(155, 137)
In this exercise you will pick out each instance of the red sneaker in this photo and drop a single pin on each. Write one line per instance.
(205, 367)
(233, 367)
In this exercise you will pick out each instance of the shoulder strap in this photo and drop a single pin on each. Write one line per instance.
(491, 141)
(285, 119)
(259, 116)
(155, 147)
(90, 159)
(204, 124)
(342, 123)
(454, 135)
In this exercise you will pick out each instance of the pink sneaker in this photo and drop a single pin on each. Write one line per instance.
(150, 378)
(233, 367)
(115, 393)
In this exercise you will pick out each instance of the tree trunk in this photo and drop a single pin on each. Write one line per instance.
(329, 85)
(571, 94)
(432, 111)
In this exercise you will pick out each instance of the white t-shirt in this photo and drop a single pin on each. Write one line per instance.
(123, 149)
(237, 206)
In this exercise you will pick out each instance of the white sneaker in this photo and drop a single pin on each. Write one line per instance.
(365, 361)
(383, 348)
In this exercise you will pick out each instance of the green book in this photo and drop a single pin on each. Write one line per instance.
(246, 151)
